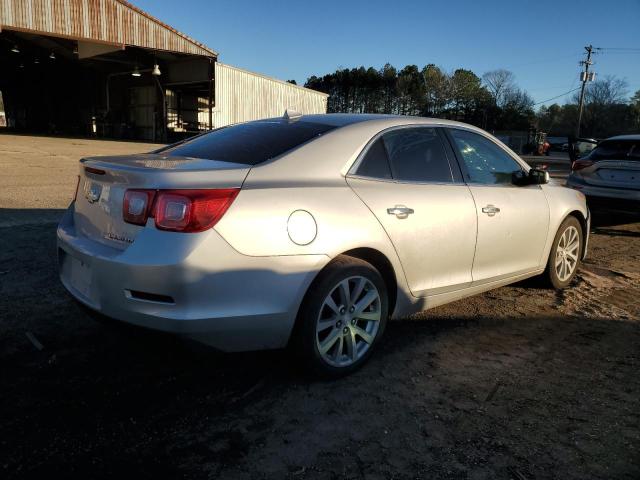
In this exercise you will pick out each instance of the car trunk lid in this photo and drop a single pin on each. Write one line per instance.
(104, 180)
(614, 174)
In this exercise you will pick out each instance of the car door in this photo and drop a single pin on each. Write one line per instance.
(406, 179)
(513, 220)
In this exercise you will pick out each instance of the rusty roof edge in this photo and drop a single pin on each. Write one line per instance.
(168, 27)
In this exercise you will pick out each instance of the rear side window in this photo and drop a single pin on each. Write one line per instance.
(375, 163)
(250, 143)
(417, 155)
(616, 150)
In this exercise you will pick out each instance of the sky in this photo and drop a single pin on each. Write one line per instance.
(541, 42)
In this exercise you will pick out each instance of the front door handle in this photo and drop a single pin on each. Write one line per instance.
(490, 210)
(400, 211)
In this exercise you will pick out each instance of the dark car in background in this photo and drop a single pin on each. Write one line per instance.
(610, 174)
(556, 143)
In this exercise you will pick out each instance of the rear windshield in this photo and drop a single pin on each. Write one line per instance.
(249, 143)
(616, 150)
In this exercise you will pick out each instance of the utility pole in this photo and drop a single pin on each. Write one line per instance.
(585, 76)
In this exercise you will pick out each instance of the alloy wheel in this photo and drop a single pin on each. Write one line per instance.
(567, 253)
(348, 321)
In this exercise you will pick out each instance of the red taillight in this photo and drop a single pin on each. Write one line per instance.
(137, 205)
(75, 195)
(178, 210)
(191, 210)
(580, 164)
(173, 212)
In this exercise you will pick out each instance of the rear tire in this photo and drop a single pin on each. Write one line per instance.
(566, 251)
(342, 317)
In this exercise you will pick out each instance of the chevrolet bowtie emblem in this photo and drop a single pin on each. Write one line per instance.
(92, 194)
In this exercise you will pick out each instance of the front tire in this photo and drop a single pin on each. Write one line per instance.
(565, 254)
(342, 317)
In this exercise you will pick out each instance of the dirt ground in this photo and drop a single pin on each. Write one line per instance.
(518, 383)
(39, 173)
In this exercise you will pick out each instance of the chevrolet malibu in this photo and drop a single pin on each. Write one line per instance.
(311, 231)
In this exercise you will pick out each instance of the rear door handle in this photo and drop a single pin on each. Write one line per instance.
(400, 211)
(490, 210)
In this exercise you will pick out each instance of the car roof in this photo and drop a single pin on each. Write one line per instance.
(340, 146)
(345, 119)
(624, 137)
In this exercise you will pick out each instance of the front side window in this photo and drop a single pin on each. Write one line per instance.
(417, 155)
(485, 162)
(249, 143)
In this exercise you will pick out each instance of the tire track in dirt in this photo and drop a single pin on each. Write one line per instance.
(602, 293)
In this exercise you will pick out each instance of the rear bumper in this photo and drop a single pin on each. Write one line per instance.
(623, 195)
(195, 285)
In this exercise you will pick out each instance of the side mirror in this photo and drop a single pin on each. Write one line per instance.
(538, 176)
(520, 177)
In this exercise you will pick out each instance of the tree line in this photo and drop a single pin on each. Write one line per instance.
(607, 111)
(492, 101)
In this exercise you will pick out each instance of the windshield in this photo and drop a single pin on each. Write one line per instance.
(249, 143)
(616, 150)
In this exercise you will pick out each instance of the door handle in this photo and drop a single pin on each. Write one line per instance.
(400, 211)
(490, 210)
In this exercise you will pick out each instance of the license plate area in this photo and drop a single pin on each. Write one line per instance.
(615, 175)
(77, 273)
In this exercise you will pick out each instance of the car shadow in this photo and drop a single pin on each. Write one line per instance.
(613, 232)
(604, 217)
(101, 399)
(149, 405)
(14, 217)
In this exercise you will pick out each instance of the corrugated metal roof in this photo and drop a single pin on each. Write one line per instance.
(109, 21)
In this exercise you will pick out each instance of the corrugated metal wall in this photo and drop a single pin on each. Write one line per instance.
(242, 96)
(110, 21)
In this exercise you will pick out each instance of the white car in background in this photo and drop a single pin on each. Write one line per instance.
(610, 174)
(311, 231)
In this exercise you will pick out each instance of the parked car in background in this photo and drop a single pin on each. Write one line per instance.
(556, 143)
(312, 230)
(610, 173)
(580, 147)
(584, 146)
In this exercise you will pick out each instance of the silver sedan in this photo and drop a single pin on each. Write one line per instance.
(311, 231)
(610, 174)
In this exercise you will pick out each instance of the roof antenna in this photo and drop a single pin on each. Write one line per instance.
(292, 115)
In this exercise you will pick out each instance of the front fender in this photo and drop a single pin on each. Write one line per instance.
(563, 202)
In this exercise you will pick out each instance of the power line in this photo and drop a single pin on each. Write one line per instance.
(621, 52)
(587, 63)
(551, 87)
(558, 96)
(618, 48)
(546, 60)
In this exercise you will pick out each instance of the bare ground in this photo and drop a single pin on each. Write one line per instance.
(39, 174)
(519, 383)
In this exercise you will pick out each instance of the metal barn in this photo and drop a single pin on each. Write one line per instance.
(269, 97)
(106, 68)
